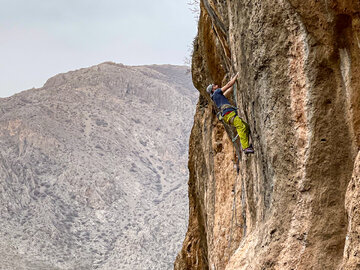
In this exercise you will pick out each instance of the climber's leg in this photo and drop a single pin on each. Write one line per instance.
(242, 128)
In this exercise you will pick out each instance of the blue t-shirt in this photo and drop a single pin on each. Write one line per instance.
(219, 99)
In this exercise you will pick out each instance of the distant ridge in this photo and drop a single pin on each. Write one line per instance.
(93, 169)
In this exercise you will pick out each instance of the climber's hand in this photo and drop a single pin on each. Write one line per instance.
(230, 83)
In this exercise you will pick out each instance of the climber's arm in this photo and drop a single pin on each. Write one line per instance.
(228, 92)
(227, 88)
(229, 84)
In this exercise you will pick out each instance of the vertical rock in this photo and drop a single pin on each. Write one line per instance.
(352, 245)
(298, 89)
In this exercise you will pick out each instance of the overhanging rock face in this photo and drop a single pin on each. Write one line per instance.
(294, 204)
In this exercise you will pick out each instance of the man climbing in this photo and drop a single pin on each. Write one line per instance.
(229, 113)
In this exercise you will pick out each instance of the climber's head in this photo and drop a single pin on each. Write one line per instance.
(210, 89)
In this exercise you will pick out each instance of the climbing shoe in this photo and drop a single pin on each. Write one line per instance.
(249, 150)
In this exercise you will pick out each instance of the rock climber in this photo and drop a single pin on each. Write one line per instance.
(229, 113)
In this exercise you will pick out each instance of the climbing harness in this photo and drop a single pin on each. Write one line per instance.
(223, 108)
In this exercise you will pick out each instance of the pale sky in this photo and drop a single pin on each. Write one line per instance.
(41, 38)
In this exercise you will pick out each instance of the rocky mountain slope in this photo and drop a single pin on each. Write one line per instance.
(93, 169)
(294, 204)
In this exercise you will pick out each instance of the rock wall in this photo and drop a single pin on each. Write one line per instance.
(292, 205)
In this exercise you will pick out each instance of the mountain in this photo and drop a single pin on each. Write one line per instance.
(93, 169)
(294, 203)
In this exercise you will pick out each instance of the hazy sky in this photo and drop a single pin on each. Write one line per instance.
(41, 38)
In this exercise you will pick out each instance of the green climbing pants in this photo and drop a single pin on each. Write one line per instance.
(241, 126)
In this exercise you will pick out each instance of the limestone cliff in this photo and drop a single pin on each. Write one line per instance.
(294, 204)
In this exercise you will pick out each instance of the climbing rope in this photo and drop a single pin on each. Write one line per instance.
(234, 218)
(222, 34)
(233, 140)
(234, 210)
